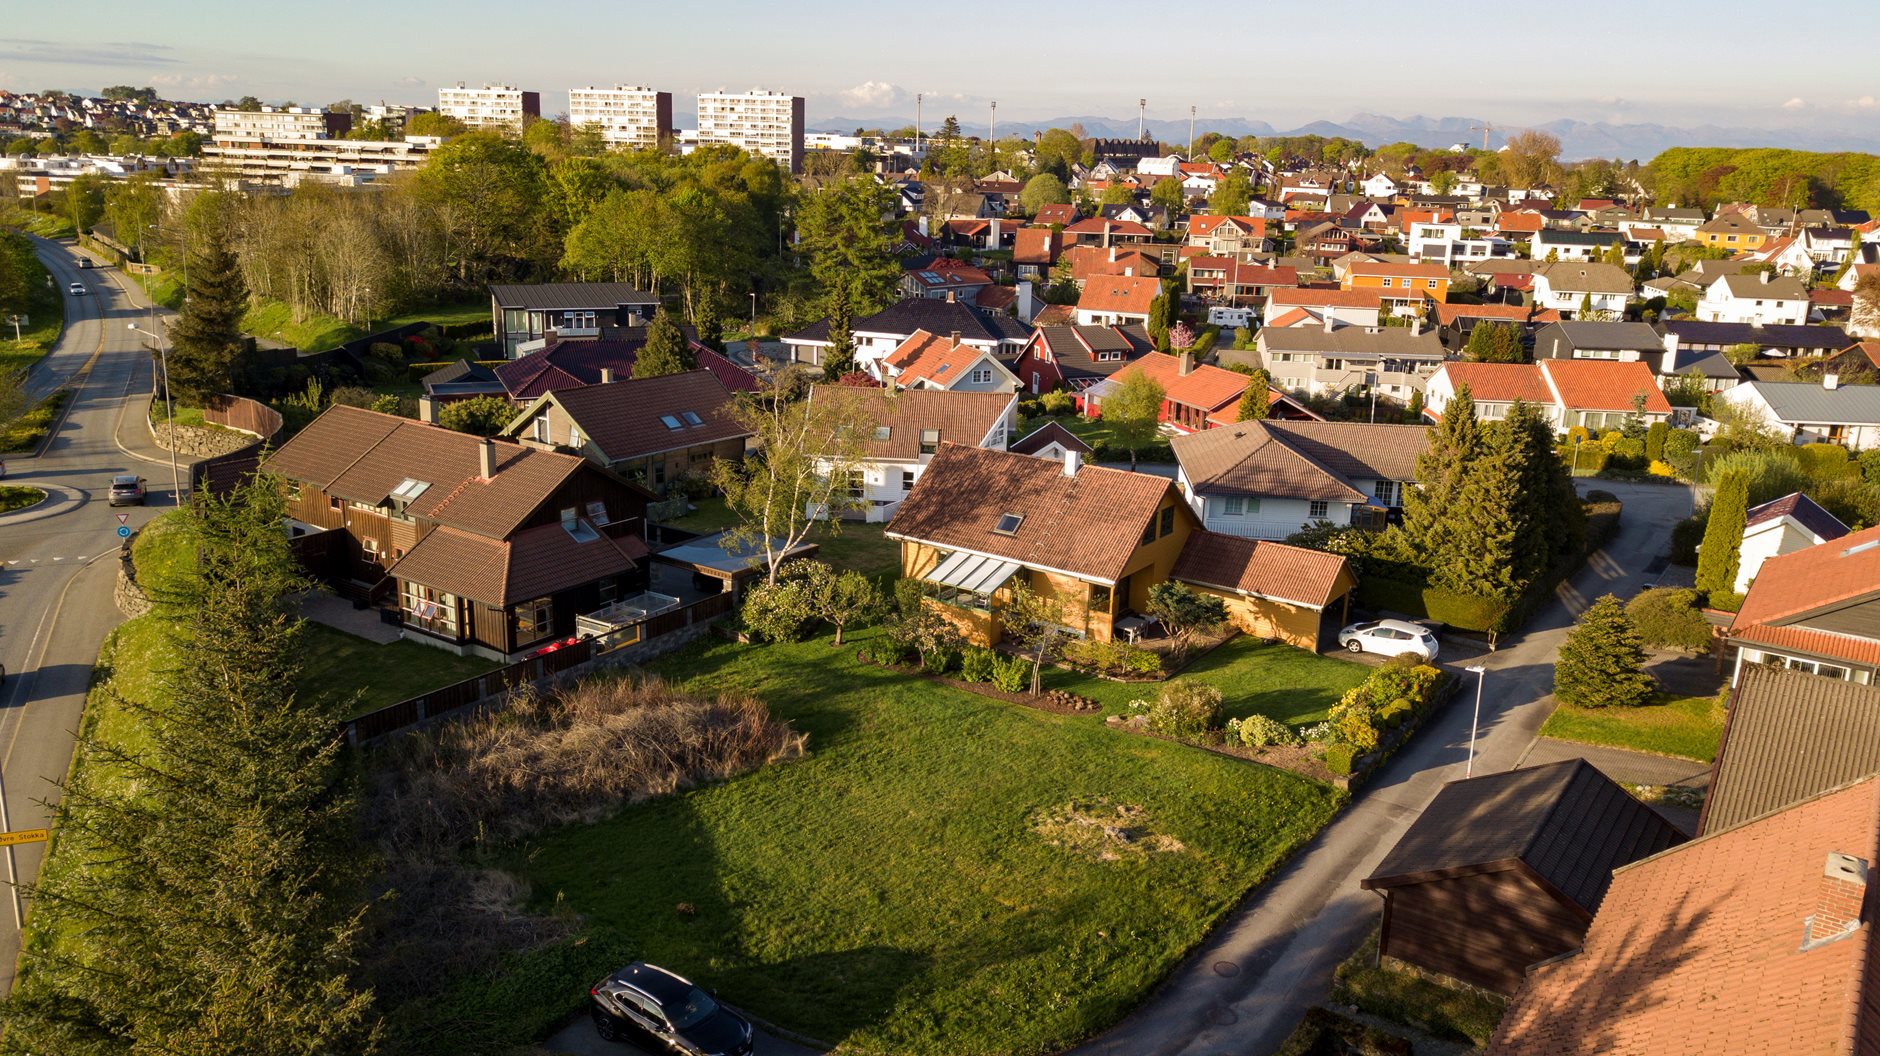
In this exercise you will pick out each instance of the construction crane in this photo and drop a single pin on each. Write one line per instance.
(1484, 128)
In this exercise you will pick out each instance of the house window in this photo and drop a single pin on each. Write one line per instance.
(541, 429)
(1236, 506)
(574, 436)
(907, 481)
(334, 503)
(577, 320)
(1099, 597)
(535, 620)
(883, 432)
(1008, 523)
(1388, 283)
(929, 441)
(609, 589)
(1168, 520)
(659, 471)
(597, 511)
(1148, 533)
(1385, 491)
(982, 376)
(432, 610)
(1318, 510)
(1431, 283)
(1813, 667)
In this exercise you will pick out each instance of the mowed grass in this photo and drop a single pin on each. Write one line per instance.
(1687, 727)
(1279, 681)
(862, 547)
(43, 312)
(889, 893)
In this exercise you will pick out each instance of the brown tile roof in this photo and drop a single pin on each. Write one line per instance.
(1447, 314)
(1055, 214)
(1790, 735)
(1389, 268)
(1047, 434)
(1575, 277)
(1263, 569)
(1203, 224)
(533, 563)
(1036, 245)
(1791, 587)
(1701, 949)
(1605, 385)
(1125, 294)
(961, 417)
(623, 419)
(1250, 458)
(1313, 297)
(1565, 822)
(1088, 525)
(362, 455)
(1088, 262)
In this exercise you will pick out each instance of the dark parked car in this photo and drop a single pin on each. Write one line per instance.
(127, 489)
(643, 1003)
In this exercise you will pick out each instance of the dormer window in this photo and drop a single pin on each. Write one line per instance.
(883, 432)
(1008, 523)
(929, 441)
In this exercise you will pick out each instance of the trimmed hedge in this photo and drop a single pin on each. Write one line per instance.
(1339, 757)
(1461, 611)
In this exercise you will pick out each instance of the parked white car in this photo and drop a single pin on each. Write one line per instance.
(1390, 638)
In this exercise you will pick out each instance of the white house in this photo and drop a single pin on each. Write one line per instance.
(1760, 300)
(1379, 186)
(1267, 480)
(1782, 526)
(1565, 286)
(1806, 413)
(1159, 166)
(1116, 300)
(1598, 394)
(910, 426)
(1443, 244)
(943, 361)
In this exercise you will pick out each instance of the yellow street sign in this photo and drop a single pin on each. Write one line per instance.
(8, 839)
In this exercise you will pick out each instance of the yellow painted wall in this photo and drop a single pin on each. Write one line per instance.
(1419, 285)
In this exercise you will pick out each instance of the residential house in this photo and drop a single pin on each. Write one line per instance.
(1227, 236)
(1268, 480)
(1814, 610)
(1731, 231)
(1780, 341)
(910, 428)
(1323, 241)
(461, 380)
(1574, 290)
(1578, 339)
(1760, 299)
(1055, 215)
(1093, 540)
(1505, 871)
(1406, 288)
(1782, 526)
(1051, 441)
(1754, 939)
(944, 278)
(1104, 233)
(1789, 736)
(523, 314)
(1328, 360)
(560, 364)
(1599, 395)
(1117, 300)
(1035, 252)
(1552, 245)
(1457, 321)
(1194, 396)
(875, 336)
(1313, 306)
(1807, 413)
(1229, 280)
(481, 546)
(653, 431)
(1446, 244)
(1271, 590)
(1077, 357)
(935, 361)
(1678, 224)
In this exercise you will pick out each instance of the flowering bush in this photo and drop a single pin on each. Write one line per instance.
(1318, 731)
(1186, 709)
(1259, 731)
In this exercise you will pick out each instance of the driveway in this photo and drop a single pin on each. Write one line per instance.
(1246, 988)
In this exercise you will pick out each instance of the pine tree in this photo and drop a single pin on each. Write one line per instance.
(708, 319)
(207, 334)
(1255, 403)
(1555, 521)
(1481, 345)
(1718, 557)
(665, 351)
(1455, 443)
(1487, 531)
(1601, 664)
(1415, 407)
(212, 911)
(840, 358)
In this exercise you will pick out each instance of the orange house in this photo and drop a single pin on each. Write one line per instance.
(1408, 283)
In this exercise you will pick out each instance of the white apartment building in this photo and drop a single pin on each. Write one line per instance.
(290, 162)
(271, 123)
(629, 116)
(496, 106)
(768, 124)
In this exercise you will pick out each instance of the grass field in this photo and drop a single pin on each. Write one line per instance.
(17, 497)
(1279, 681)
(43, 309)
(1687, 727)
(853, 545)
(899, 890)
(316, 332)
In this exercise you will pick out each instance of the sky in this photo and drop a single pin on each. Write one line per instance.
(1639, 61)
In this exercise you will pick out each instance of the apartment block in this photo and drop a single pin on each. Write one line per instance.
(629, 116)
(279, 123)
(768, 124)
(496, 106)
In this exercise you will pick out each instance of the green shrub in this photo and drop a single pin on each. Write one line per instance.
(978, 664)
(1030, 407)
(1668, 618)
(1339, 757)
(1243, 338)
(1141, 662)
(884, 650)
(1058, 402)
(1853, 501)
(939, 661)
(1396, 713)
(1602, 662)
(1870, 466)
(1629, 452)
(1685, 535)
(1655, 435)
(1826, 461)
(1724, 601)
(1012, 675)
(1768, 474)
(781, 612)
(1260, 731)
(1185, 709)
(1680, 443)
(1579, 434)
(1601, 495)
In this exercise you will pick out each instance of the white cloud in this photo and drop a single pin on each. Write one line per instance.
(198, 81)
(1796, 103)
(1865, 102)
(415, 82)
(873, 94)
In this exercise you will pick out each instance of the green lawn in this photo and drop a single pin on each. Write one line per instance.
(1688, 727)
(710, 515)
(862, 547)
(43, 309)
(344, 667)
(26, 432)
(16, 497)
(1279, 681)
(1407, 998)
(314, 333)
(474, 310)
(890, 892)
(1091, 431)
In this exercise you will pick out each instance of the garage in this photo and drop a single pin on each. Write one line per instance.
(1271, 590)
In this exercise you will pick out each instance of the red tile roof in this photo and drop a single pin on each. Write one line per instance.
(1790, 587)
(1267, 570)
(1088, 261)
(1499, 382)
(1203, 224)
(1314, 297)
(1604, 385)
(1203, 386)
(1055, 214)
(1123, 294)
(947, 273)
(1091, 228)
(1036, 245)
(1703, 949)
(933, 358)
(1447, 314)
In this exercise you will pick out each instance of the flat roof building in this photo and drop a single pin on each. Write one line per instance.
(628, 116)
(768, 124)
(275, 123)
(498, 106)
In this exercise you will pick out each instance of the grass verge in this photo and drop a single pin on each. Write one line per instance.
(18, 497)
(42, 307)
(1414, 1000)
(25, 433)
(916, 885)
(1279, 681)
(1687, 727)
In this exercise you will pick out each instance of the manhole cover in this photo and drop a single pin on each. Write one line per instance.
(1222, 1016)
(1226, 968)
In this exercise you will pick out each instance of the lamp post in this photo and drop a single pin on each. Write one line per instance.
(1479, 673)
(169, 408)
(753, 313)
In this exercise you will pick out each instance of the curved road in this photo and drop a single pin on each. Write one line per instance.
(56, 560)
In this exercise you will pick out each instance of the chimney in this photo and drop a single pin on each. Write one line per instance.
(1328, 320)
(1112, 252)
(1839, 898)
(1106, 233)
(1671, 348)
(1831, 381)
(1072, 463)
(607, 375)
(950, 297)
(1416, 326)
(1763, 277)
(955, 335)
(1187, 364)
(427, 409)
(1025, 312)
(486, 459)
(923, 227)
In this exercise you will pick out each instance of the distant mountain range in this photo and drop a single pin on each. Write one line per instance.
(1578, 139)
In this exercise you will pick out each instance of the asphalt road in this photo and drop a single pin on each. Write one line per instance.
(1246, 988)
(57, 560)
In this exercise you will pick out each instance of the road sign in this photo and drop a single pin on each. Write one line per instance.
(123, 518)
(8, 839)
(124, 531)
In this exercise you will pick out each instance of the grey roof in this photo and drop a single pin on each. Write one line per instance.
(1778, 288)
(461, 371)
(1576, 238)
(1778, 335)
(1675, 213)
(1566, 821)
(1587, 334)
(557, 296)
(1593, 278)
(1805, 402)
(1826, 526)
(1392, 341)
(932, 314)
(1709, 364)
(1789, 736)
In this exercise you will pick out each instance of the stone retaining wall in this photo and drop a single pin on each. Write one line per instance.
(199, 441)
(130, 598)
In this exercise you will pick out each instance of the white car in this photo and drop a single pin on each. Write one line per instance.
(1390, 638)
(76, 289)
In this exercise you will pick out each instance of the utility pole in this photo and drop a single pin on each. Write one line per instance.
(1484, 128)
(1142, 106)
(992, 133)
(1191, 132)
(917, 96)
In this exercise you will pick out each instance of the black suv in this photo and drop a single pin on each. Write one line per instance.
(645, 1003)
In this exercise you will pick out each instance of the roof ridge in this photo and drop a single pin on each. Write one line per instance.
(1546, 820)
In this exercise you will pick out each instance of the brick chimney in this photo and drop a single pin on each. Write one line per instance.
(486, 459)
(955, 335)
(1840, 897)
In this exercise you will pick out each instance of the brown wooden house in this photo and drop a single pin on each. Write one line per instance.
(476, 545)
(1504, 871)
(653, 431)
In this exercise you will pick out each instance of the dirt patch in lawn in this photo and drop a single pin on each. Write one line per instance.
(1103, 831)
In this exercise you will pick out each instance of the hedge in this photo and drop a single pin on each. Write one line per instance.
(1462, 611)
(1339, 757)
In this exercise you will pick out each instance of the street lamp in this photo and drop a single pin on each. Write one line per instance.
(1479, 673)
(169, 408)
(753, 313)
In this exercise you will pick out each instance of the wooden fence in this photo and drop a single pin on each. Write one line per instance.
(539, 670)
